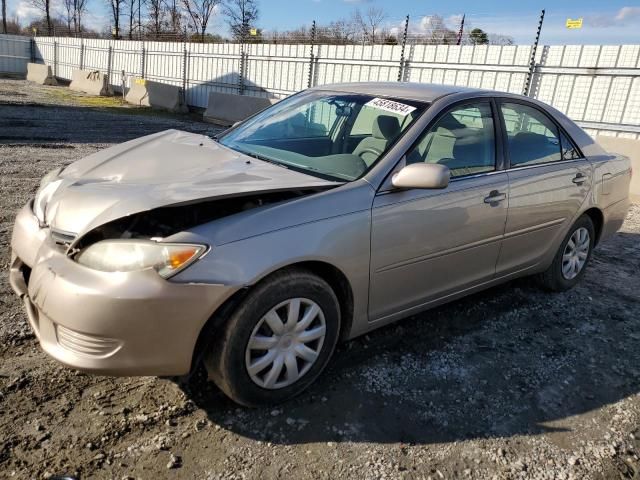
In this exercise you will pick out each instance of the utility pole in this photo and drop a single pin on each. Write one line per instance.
(461, 30)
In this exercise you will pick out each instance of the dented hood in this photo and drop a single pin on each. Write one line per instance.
(167, 168)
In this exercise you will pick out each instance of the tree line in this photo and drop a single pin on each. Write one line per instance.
(182, 19)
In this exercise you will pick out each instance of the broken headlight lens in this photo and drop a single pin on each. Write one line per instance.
(48, 186)
(129, 255)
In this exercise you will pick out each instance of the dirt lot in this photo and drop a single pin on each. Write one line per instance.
(510, 383)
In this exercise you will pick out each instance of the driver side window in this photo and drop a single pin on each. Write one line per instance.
(463, 139)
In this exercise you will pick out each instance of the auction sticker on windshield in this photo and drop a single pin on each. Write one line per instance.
(391, 106)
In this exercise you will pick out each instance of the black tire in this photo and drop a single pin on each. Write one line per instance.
(553, 279)
(225, 360)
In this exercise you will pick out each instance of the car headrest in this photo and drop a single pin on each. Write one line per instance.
(529, 139)
(449, 122)
(469, 148)
(386, 127)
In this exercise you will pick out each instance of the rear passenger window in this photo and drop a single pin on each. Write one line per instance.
(462, 139)
(569, 151)
(533, 137)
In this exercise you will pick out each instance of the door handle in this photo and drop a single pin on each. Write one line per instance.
(579, 179)
(495, 196)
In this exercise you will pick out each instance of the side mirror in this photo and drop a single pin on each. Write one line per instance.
(422, 175)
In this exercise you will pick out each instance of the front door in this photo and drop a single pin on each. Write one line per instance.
(428, 244)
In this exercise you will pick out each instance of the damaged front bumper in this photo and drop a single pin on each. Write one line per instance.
(113, 323)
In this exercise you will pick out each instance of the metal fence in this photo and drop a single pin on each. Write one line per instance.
(597, 86)
(15, 53)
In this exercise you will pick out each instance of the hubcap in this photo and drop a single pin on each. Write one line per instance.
(285, 343)
(575, 253)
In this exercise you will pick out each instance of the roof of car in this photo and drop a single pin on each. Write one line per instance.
(427, 92)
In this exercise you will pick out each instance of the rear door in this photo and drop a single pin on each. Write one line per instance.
(427, 244)
(549, 180)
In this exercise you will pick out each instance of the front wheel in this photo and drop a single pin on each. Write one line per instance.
(572, 257)
(277, 341)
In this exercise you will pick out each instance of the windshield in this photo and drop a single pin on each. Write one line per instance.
(333, 135)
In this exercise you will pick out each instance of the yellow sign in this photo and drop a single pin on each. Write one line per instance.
(140, 81)
(253, 32)
(574, 23)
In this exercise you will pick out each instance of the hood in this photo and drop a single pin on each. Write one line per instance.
(165, 169)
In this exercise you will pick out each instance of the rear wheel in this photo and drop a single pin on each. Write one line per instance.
(572, 257)
(277, 341)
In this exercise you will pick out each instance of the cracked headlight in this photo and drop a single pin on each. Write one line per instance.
(48, 186)
(129, 255)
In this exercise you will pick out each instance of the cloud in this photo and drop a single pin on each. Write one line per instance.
(628, 13)
(624, 16)
(25, 12)
(453, 21)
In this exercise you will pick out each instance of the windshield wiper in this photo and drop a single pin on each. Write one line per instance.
(265, 159)
(256, 156)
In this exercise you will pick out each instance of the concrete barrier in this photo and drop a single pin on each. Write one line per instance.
(91, 82)
(227, 108)
(39, 73)
(155, 95)
(629, 148)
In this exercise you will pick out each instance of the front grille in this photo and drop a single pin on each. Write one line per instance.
(87, 345)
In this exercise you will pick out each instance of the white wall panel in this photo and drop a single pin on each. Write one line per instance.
(596, 85)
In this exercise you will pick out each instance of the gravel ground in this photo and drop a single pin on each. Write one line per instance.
(509, 383)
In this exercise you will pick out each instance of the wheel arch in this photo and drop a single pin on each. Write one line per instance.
(331, 274)
(597, 217)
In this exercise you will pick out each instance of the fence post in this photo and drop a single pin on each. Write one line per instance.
(243, 66)
(109, 59)
(55, 58)
(311, 57)
(532, 62)
(143, 56)
(185, 66)
(32, 49)
(81, 54)
(404, 44)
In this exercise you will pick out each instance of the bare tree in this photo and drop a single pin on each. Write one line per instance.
(370, 21)
(132, 6)
(116, 9)
(241, 14)
(498, 39)
(340, 31)
(175, 16)
(73, 11)
(156, 12)
(4, 16)
(69, 12)
(200, 12)
(80, 6)
(436, 32)
(45, 7)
